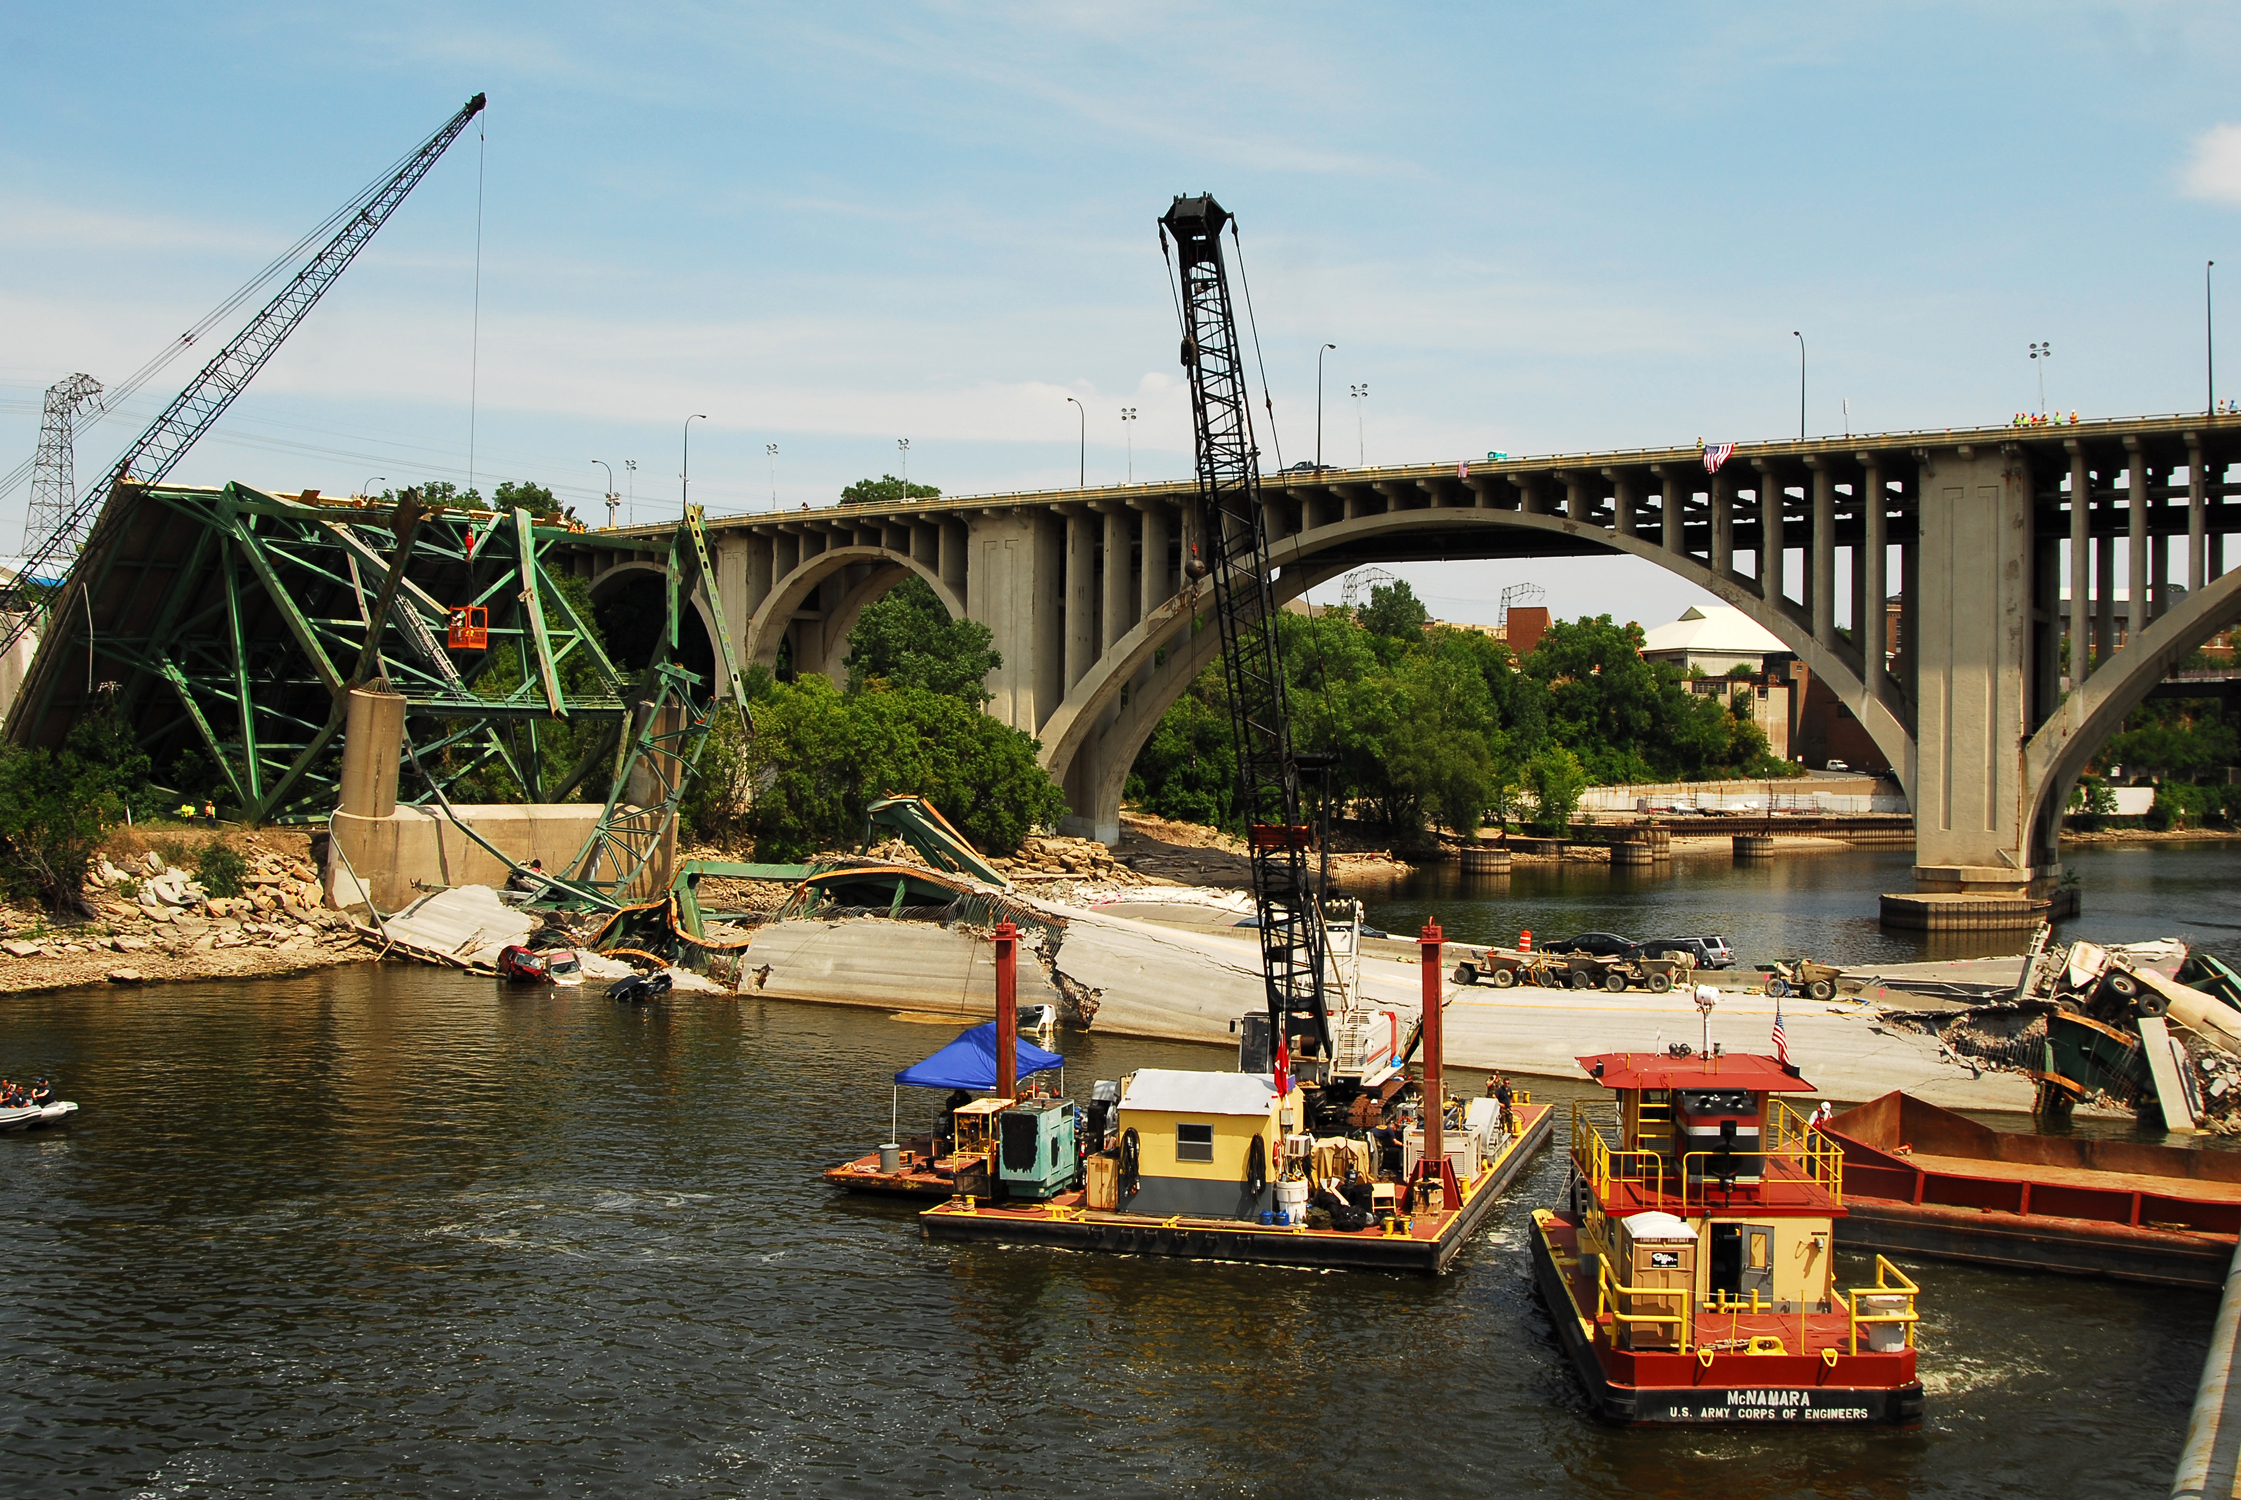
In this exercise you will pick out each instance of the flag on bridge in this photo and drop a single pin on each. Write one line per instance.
(1781, 1037)
(1716, 454)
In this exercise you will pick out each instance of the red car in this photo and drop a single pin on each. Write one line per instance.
(528, 966)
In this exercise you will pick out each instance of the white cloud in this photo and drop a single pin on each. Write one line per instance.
(2214, 173)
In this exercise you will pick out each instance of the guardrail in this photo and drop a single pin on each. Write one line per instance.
(1611, 1295)
(1890, 1282)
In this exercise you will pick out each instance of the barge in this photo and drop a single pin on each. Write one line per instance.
(1691, 1276)
(1926, 1181)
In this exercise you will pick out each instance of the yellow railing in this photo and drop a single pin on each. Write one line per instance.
(1609, 1292)
(1890, 1281)
(1601, 1166)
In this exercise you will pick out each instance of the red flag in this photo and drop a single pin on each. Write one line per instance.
(1283, 1066)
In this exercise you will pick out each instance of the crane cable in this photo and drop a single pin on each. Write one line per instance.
(1267, 400)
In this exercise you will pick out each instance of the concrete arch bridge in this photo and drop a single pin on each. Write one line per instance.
(1985, 536)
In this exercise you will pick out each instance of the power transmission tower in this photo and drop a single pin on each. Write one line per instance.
(54, 488)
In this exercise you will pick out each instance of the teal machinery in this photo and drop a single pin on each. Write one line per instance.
(1035, 1148)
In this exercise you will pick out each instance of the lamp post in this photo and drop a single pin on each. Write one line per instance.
(367, 492)
(685, 475)
(1359, 393)
(770, 450)
(612, 502)
(1128, 416)
(1327, 348)
(630, 509)
(1800, 383)
(902, 446)
(1081, 471)
(2209, 344)
(2039, 354)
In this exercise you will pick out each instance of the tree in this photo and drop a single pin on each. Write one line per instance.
(886, 490)
(1557, 778)
(907, 640)
(1394, 611)
(820, 758)
(534, 498)
(56, 807)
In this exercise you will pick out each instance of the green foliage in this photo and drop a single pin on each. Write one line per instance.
(511, 494)
(820, 758)
(886, 490)
(1440, 725)
(2174, 739)
(1556, 779)
(220, 870)
(907, 640)
(1395, 611)
(2180, 805)
(2094, 801)
(56, 807)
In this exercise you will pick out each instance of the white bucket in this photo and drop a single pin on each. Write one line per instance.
(1291, 1196)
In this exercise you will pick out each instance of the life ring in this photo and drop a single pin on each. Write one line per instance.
(1130, 1152)
(1256, 1167)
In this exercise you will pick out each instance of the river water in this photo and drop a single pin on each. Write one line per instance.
(1820, 904)
(393, 1231)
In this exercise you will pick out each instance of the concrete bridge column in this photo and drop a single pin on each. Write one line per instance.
(1080, 649)
(1771, 546)
(1972, 652)
(1530, 500)
(761, 574)
(952, 553)
(2136, 536)
(1120, 581)
(2104, 598)
(1723, 526)
(2197, 500)
(1158, 579)
(1672, 504)
(1820, 569)
(1625, 495)
(1870, 615)
(2081, 562)
(1010, 588)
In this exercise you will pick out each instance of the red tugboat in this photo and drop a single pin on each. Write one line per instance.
(1692, 1277)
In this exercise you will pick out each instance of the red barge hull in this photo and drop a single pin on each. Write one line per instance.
(1926, 1181)
(1728, 1388)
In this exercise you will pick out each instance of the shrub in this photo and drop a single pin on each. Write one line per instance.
(58, 807)
(221, 871)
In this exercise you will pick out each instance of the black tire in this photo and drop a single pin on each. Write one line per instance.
(1822, 989)
(1615, 982)
(1661, 983)
(1777, 987)
(1256, 1167)
(1466, 973)
(1582, 979)
(1503, 978)
(2150, 1004)
(2123, 986)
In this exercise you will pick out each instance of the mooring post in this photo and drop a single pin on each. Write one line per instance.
(1007, 1011)
(1435, 1096)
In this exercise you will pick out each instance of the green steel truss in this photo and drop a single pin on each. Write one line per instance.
(232, 622)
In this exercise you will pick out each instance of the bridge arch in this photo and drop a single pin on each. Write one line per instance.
(2057, 754)
(631, 645)
(1087, 724)
(768, 626)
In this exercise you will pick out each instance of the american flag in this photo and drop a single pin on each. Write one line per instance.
(1781, 1037)
(1716, 454)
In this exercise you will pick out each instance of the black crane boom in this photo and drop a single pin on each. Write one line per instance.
(1235, 544)
(153, 455)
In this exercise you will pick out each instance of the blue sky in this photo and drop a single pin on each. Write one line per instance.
(1529, 228)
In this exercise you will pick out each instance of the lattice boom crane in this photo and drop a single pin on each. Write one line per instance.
(1235, 556)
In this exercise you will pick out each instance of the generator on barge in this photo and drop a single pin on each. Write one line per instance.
(1691, 1274)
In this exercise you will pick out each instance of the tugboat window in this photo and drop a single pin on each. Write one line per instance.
(1194, 1143)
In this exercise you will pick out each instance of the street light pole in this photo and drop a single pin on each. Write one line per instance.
(1800, 383)
(2209, 344)
(902, 446)
(371, 482)
(685, 475)
(771, 451)
(1360, 393)
(1081, 472)
(612, 502)
(1319, 404)
(2039, 354)
(1128, 416)
(630, 467)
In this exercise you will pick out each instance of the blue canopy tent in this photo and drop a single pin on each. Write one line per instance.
(969, 1062)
